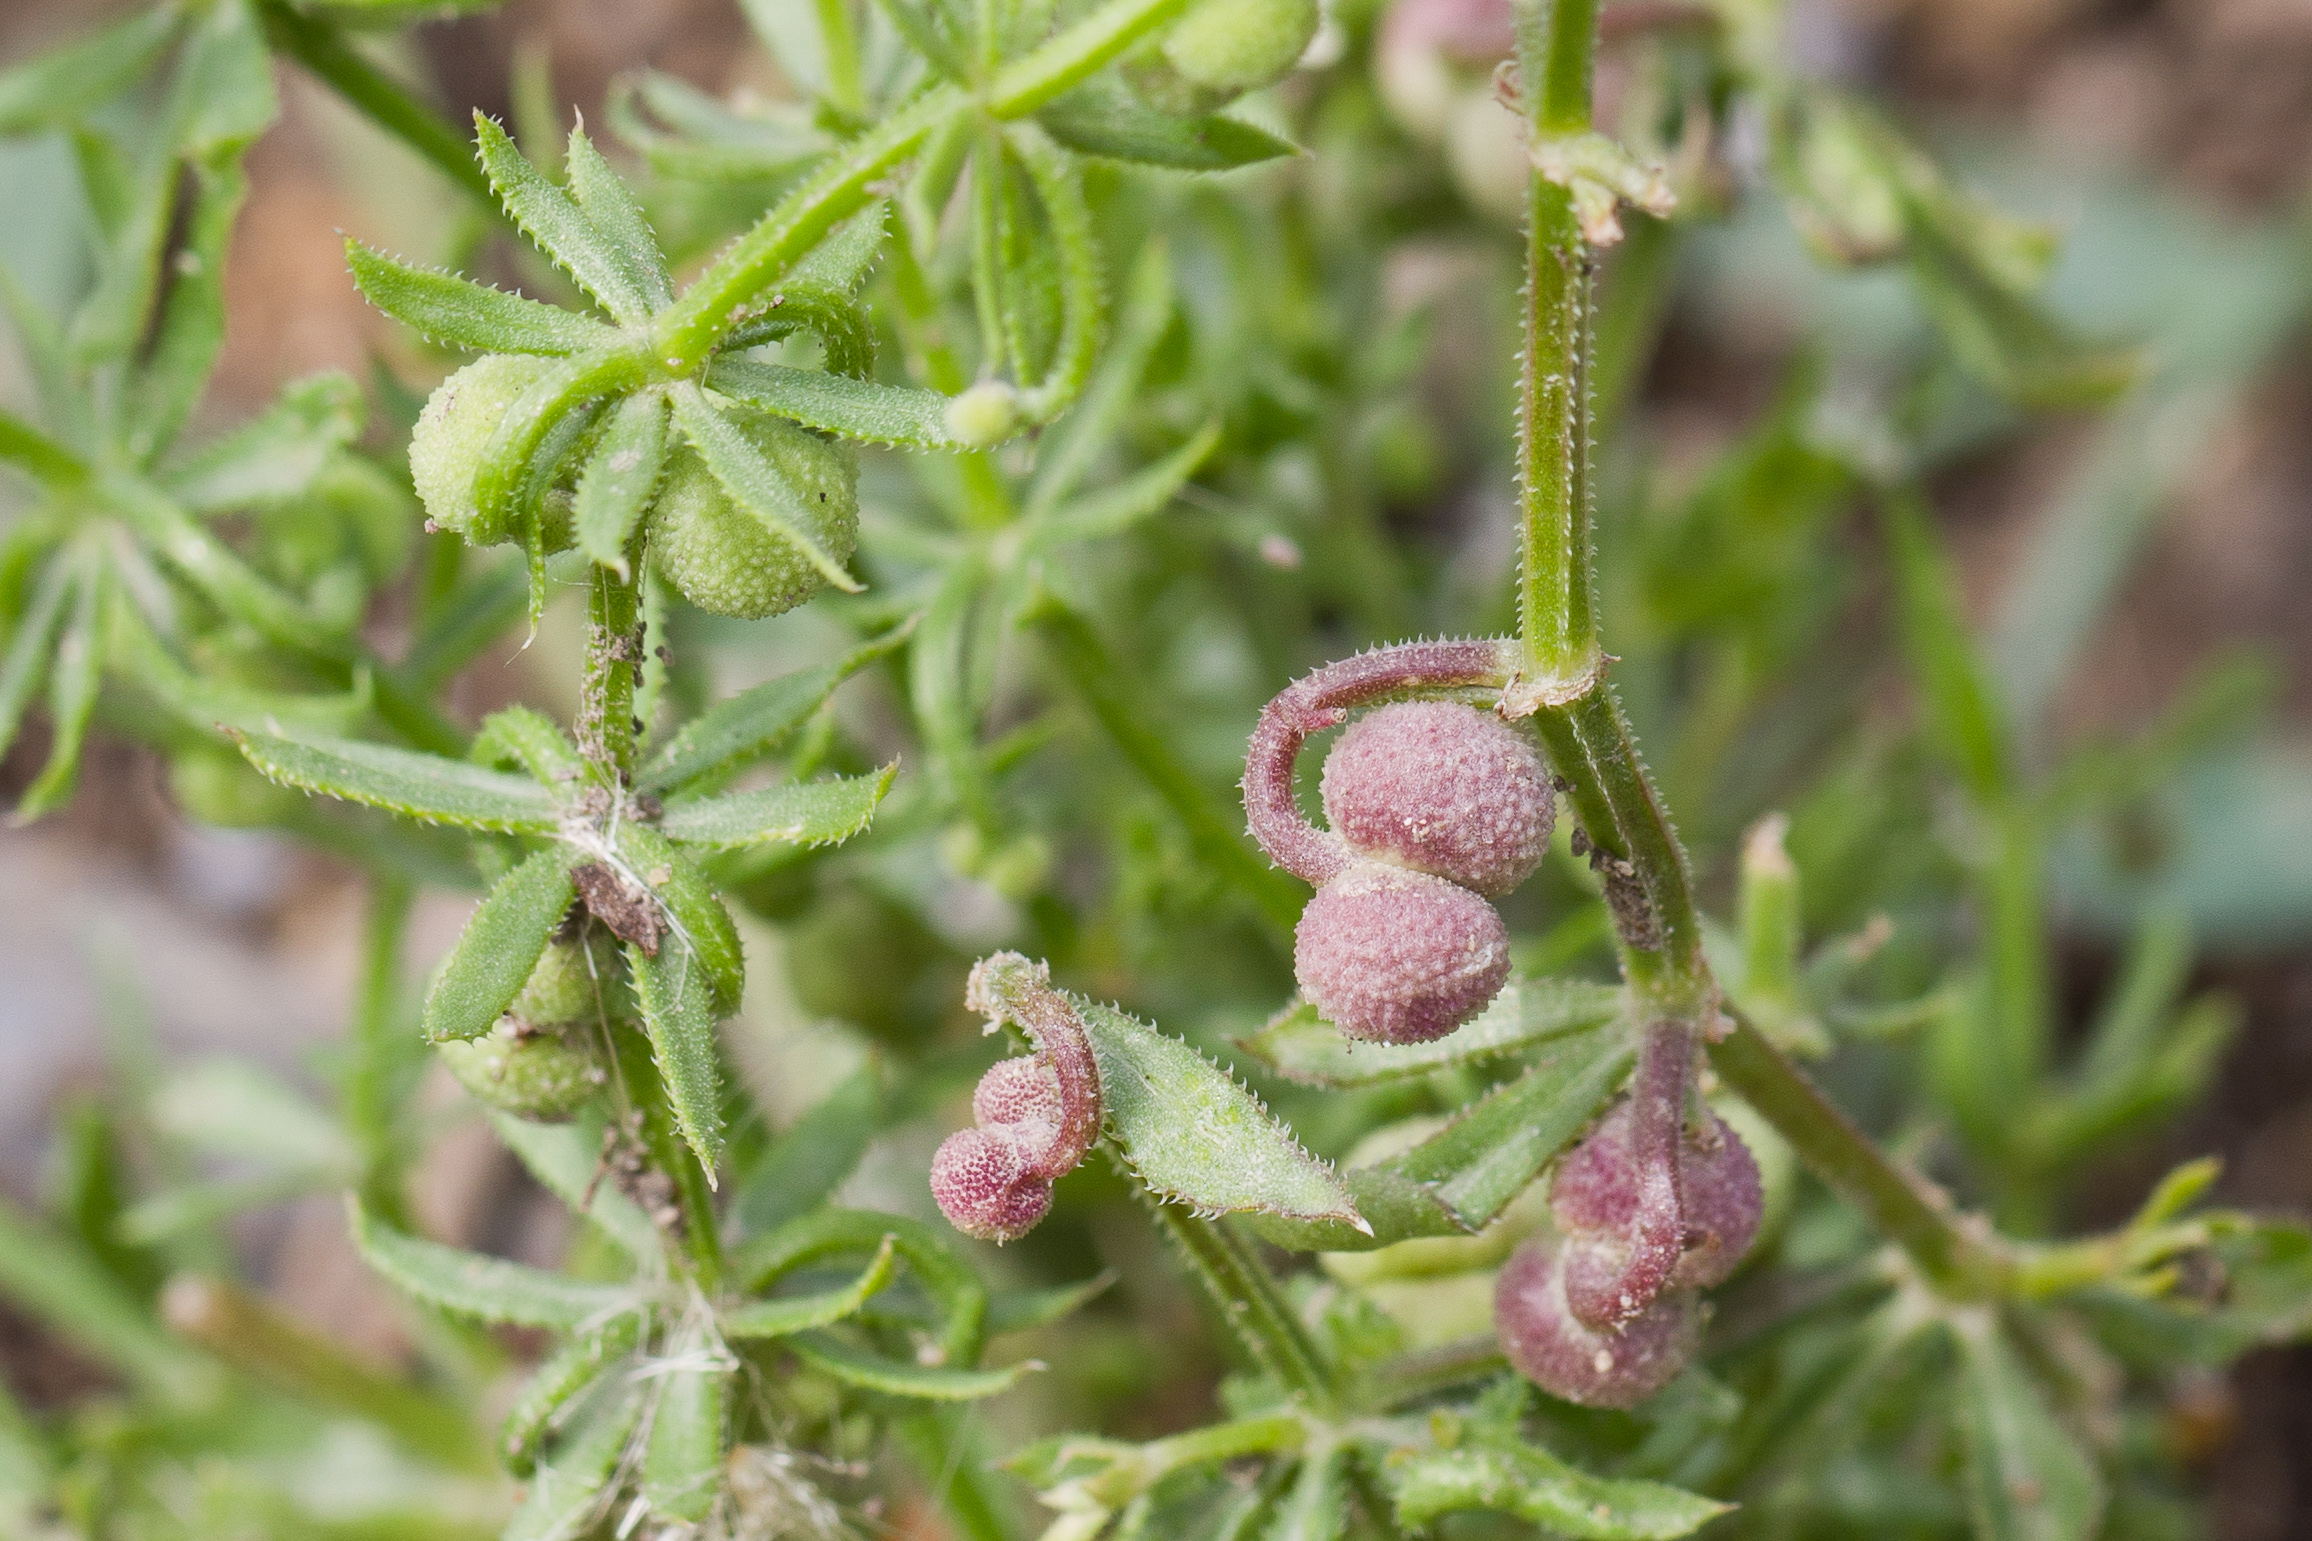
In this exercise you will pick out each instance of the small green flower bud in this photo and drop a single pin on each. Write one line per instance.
(984, 415)
(541, 1073)
(1234, 46)
(724, 559)
(446, 449)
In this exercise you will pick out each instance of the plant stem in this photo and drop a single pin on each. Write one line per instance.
(842, 185)
(1249, 1301)
(606, 725)
(1561, 685)
(379, 1046)
(323, 50)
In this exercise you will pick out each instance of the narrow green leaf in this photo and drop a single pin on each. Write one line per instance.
(845, 333)
(558, 1383)
(490, 1288)
(1965, 723)
(1068, 222)
(811, 1160)
(422, 786)
(500, 946)
(207, 703)
(32, 451)
(813, 813)
(192, 323)
(1301, 1046)
(683, 1456)
(610, 208)
(866, 410)
(1021, 1310)
(2027, 1478)
(216, 569)
(898, 1377)
(276, 455)
(615, 487)
(56, 89)
(111, 318)
(1067, 453)
(560, 228)
(543, 425)
(752, 481)
(1103, 118)
(822, 1233)
(1485, 1158)
(1196, 1137)
(1530, 1483)
(72, 683)
(30, 646)
(750, 724)
(223, 97)
(1146, 492)
(476, 613)
(842, 261)
(444, 308)
(693, 911)
(567, 1161)
(525, 739)
(672, 989)
(787, 1315)
(566, 1492)
(709, 142)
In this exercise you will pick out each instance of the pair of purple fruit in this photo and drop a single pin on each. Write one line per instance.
(1436, 807)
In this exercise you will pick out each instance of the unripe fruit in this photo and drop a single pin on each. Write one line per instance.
(534, 1072)
(1549, 1346)
(984, 1188)
(984, 415)
(1719, 1184)
(1393, 956)
(445, 451)
(1233, 46)
(569, 985)
(724, 559)
(1442, 788)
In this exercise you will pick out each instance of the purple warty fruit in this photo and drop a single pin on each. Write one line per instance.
(1551, 1347)
(1442, 788)
(1037, 1114)
(1649, 1216)
(1393, 956)
(984, 1187)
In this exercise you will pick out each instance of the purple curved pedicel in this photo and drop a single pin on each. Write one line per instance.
(1321, 700)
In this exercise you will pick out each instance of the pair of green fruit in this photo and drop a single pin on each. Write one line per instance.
(543, 1060)
(721, 557)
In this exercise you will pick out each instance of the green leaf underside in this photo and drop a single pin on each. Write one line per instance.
(422, 786)
(445, 308)
(791, 1314)
(814, 813)
(902, 415)
(530, 740)
(577, 1365)
(1192, 1135)
(682, 1457)
(2027, 1477)
(619, 478)
(748, 724)
(692, 910)
(1301, 1046)
(549, 217)
(1482, 1160)
(500, 946)
(672, 990)
(277, 454)
(1103, 118)
(490, 1288)
(1536, 1486)
(871, 1371)
(610, 208)
(566, 1159)
(565, 1491)
(752, 481)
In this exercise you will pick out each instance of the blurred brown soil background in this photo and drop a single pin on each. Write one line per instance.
(239, 943)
